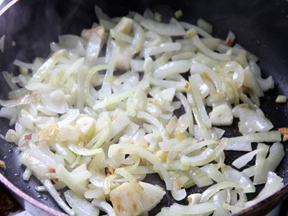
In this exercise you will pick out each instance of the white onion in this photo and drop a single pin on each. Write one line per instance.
(171, 29)
(209, 52)
(172, 68)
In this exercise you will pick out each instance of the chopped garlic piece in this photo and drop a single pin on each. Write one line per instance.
(178, 14)
(124, 26)
(281, 99)
(221, 115)
(2, 165)
(86, 125)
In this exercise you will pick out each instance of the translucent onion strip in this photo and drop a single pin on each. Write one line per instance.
(128, 148)
(270, 136)
(188, 110)
(220, 57)
(171, 29)
(49, 186)
(202, 208)
(91, 72)
(43, 70)
(244, 159)
(26, 99)
(171, 68)
(151, 119)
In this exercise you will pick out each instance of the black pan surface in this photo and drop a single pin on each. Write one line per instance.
(261, 26)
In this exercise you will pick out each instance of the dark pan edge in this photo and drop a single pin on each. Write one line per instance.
(29, 199)
(270, 203)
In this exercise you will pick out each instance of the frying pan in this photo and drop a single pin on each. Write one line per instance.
(261, 26)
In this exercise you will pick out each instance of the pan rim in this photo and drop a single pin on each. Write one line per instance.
(281, 194)
(8, 184)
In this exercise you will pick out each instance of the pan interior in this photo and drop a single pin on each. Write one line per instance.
(260, 26)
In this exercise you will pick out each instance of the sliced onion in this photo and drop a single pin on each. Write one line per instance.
(213, 76)
(91, 72)
(170, 68)
(270, 164)
(208, 193)
(171, 29)
(43, 70)
(165, 47)
(244, 159)
(80, 205)
(201, 208)
(26, 99)
(208, 52)
(65, 176)
(8, 78)
(140, 151)
(83, 151)
(50, 188)
(199, 30)
(270, 136)
(155, 122)
(205, 157)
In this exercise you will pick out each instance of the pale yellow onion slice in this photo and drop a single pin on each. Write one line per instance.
(217, 56)
(164, 47)
(205, 157)
(139, 38)
(270, 136)
(171, 68)
(204, 25)
(215, 188)
(127, 148)
(115, 98)
(65, 176)
(205, 70)
(92, 71)
(198, 101)
(236, 176)
(80, 205)
(121, 36)
(129, 201)
(251, 82)
(244, 159)
(271, 162)
(26, 99)
(236, 71)
(38, 167)
(104, 206)
(273, 184)
(188, 110)
(43, 70)
(265, 84)
(151, 119)
(83, 151)
(199, 30)
(8, 78)
(50, 188)
(195, 208)
(171, 29)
